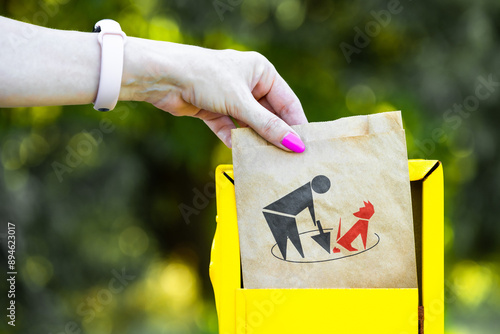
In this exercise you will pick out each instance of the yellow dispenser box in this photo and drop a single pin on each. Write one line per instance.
(354, 311)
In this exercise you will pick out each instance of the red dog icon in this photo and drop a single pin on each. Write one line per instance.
(359, 228)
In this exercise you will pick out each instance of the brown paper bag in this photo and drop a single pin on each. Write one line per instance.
(336, 216)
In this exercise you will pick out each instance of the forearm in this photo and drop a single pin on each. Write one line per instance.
(40, 66)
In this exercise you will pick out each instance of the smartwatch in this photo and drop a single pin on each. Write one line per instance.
(112, 39)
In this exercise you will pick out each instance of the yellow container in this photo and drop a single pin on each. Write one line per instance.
(354, 311)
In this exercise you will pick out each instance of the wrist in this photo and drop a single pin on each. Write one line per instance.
(132, 81)
(151, 69)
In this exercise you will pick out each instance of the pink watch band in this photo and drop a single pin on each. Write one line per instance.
(112, 40)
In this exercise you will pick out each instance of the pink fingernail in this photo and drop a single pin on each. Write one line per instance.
(292, 142)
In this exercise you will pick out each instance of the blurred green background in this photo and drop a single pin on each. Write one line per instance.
(118, 210)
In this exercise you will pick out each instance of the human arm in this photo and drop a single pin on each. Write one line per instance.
(41, 66)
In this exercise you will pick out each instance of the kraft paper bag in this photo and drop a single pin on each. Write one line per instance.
(335, 216)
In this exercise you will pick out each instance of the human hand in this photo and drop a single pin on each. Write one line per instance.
(214, 85)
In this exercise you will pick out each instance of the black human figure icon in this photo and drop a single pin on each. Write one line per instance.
(281, 215)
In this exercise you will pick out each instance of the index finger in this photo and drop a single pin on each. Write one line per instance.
(285, 103)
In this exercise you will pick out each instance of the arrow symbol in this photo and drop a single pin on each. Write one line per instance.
(323, 239)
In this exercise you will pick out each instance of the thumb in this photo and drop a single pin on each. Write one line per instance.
(272, 128)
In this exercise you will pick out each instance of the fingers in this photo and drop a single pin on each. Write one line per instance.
(221, 125)
(241, 123)
(263, 101)
(285, 103)
(271, 127)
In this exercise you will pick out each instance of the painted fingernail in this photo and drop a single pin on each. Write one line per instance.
(292, 142)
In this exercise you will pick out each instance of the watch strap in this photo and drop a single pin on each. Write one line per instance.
(112, 41)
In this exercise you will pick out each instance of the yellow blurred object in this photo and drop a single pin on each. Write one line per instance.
(163, 28)
(471, 282)
(356, 311)
(42, 116)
